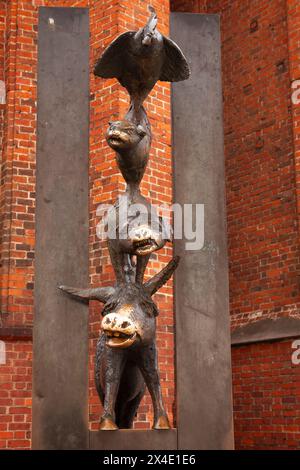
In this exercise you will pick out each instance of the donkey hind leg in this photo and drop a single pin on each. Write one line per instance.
(149, 368)
(131, 391)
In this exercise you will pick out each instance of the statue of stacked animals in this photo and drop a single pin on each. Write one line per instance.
(126, 356)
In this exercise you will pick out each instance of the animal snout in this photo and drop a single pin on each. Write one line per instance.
(117, 325)
(114, 134)
(141, 233)
(144, 239)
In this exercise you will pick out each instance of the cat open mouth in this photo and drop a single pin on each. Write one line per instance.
(144, 246)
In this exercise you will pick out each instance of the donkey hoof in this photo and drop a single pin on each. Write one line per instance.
(107, 424)
(162, 423)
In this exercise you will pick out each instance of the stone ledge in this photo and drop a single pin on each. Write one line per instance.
(133, 439)
(266, 330)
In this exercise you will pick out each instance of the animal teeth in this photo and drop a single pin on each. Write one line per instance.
(143, 242)
(117, 334)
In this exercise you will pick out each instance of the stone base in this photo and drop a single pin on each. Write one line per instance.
(133, 439)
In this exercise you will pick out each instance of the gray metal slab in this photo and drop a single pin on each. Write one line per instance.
(60, 338)
(201, 281)
(133, 439)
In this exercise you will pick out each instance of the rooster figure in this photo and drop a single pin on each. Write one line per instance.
(138, 59)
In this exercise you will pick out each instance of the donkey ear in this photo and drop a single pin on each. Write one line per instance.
(157, 281)
(101, 294)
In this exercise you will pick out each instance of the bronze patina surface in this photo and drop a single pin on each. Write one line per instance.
(126, 356)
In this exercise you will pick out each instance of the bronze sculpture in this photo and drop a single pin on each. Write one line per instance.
(138, 59)
(126, 356)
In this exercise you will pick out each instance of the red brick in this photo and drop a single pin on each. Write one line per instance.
(262, 183)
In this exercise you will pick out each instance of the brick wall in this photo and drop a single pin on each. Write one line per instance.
(293, 17)
(260, 59)
(189, 6)
(17, 217)
(2, 49)
(108, 19)
(15, 396)
(263, 227)
(260, 166)
(262, 220)
(263, 230)
(266, 393)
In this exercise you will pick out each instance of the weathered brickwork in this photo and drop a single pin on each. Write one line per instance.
(2, 42)
(189, 6)
(15, 396)
(266, 395)
(293, 16)
(108, 18)
(260, 54)
(262, 220)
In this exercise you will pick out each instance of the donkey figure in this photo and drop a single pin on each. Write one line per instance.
(126, 355)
